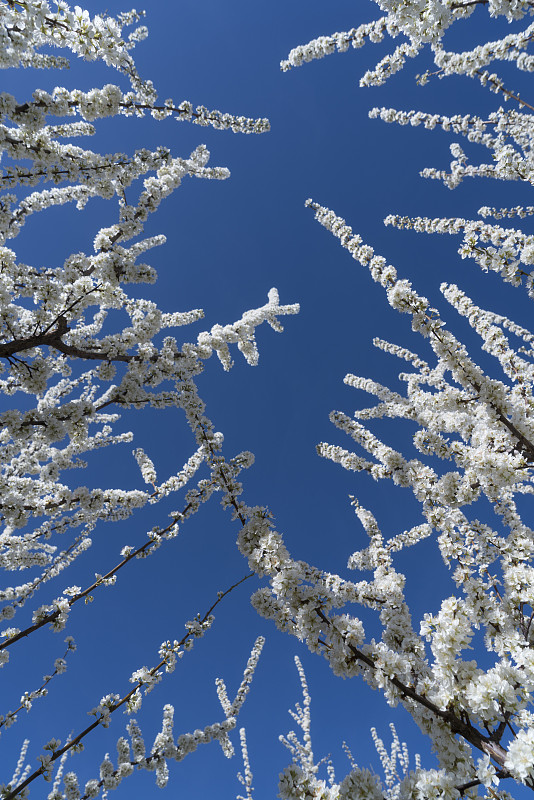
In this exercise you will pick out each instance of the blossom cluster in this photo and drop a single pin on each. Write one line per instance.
(340, 42)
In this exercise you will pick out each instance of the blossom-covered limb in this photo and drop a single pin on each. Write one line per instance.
(27, 698)
(111, 703)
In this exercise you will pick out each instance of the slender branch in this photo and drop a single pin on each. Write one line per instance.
(119, 703)
(182, 113)
(498, 85)
(526, 447)
(143, 549)
(476, 782)
(10, 717)
(53, 173)
(53, 615)
(60, 319)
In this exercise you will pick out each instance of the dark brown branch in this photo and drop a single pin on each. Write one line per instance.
(486, 744)
(77, 352)
(52, 173)
(54, 339)
(18, 345)
(469, 3)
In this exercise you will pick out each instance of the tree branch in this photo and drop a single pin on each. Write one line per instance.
(486, 744)
(54, 339)
(455, 6)
(498, 85)
(119, 703)
(53, 615)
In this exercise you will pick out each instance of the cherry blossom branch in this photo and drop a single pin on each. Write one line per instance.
(184, 112)
(526, 447)
(485, 76)
(27, 697)
(54, 339)
(486, 744)
(52, 172)
(500, 87)
(101, 581)
(114, 706)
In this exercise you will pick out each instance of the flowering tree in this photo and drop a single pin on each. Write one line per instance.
(74, 361)
(474, 450)
(73, 366)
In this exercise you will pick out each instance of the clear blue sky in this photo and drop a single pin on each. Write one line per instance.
(228, 243)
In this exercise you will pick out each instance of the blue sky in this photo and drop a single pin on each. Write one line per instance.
(228, 243)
